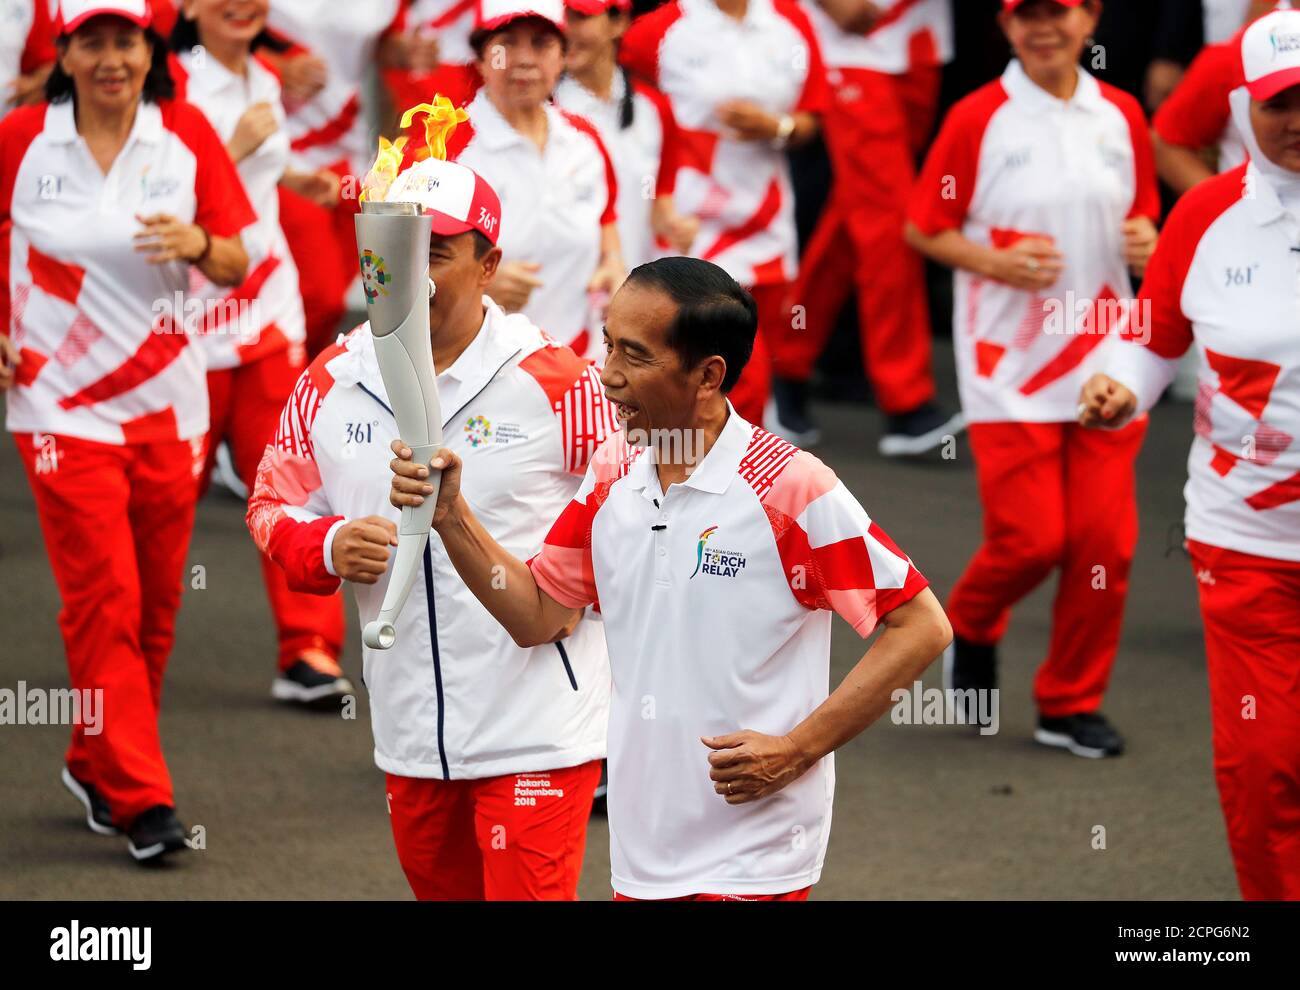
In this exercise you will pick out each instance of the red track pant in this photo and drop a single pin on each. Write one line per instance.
(874, 128)
(323, 242)
(1055, 496)
(749, 395)
(116, 521)
(1250, 607)
(517, 837)
(246, 403)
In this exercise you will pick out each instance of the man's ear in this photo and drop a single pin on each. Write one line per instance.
(713, 371)
(488, 266)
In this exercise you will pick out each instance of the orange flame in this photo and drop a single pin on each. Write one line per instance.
(382, 173)
(441, 119)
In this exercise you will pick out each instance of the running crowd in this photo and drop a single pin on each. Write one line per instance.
(617, 266)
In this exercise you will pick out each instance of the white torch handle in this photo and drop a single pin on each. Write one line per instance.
(396, 249)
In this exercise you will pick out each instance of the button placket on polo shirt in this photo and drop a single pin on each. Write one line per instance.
(662, 557)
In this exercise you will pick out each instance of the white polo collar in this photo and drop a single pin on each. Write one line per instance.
(1261, 198)
(496, 133)
(1031, 97)
(61, 123)
(713, 474)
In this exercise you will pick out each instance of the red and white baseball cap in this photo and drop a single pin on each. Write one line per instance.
(457, 197)
(74, 13)
(1270, 54)
(1013, 4)
(494, 14)
(593, 7)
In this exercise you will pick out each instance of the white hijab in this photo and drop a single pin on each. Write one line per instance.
(1282, 181)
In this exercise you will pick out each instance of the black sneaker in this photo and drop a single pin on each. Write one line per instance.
(98, 815)
(787, 413)
(315, 680)
(919, 431)
(969, 666)
(155, 833)
(1087, 734)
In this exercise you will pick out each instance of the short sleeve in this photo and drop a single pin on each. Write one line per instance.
(815, 97)
(834, 556)
(222, 207)
(943, 192)
(563, 567)
(1196, 113)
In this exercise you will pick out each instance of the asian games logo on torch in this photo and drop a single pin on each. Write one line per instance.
(374, 276)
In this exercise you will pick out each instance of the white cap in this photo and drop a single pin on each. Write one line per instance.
(457, 197)
(1270, 54)
(74, 13)
(493, 14)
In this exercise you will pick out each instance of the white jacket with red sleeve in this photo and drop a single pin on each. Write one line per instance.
(455, 698)
(1225, 283)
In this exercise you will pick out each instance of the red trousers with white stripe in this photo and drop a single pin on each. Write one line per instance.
(245, 411)
(117, 520)
(1056, 496)
(874, 128)
(1250, 607)
(517, 837)
(749, 394)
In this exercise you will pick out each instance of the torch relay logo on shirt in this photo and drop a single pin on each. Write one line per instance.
(712, 560)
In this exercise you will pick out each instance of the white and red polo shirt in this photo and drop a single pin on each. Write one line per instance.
(700, 58)
(331, 129)
(263, 315)
(910, 34)
(1012, 161)
(717, 598)
(644, 154)
(26, 40)
(1225, 281)
(455, 698)
(104, 356)
(1197, 114)
(554, 202)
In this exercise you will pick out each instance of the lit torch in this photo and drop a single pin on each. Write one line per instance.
(393, 238)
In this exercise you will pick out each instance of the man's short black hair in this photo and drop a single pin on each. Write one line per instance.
(714, 314)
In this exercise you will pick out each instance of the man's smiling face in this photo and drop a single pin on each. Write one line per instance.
(644, 375)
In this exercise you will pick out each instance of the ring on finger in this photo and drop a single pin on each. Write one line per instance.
(1033, 265)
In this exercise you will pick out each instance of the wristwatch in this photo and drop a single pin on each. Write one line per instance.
(784, 128)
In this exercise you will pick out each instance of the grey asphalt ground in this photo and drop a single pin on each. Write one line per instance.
(292, 806)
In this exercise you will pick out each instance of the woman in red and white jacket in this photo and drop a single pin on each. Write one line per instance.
(252, 336)
(109, 194)
(1223, 284)
(636, 124)
(1040, 191)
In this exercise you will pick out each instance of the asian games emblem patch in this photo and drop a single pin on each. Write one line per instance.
(477, 430)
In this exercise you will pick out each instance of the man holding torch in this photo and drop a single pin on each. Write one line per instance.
(716, 553)
(492, 750)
